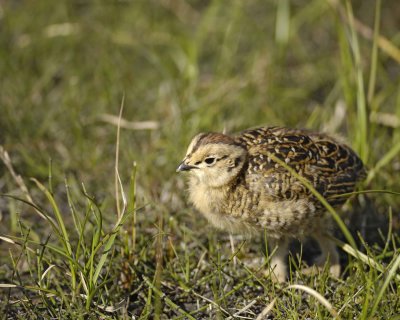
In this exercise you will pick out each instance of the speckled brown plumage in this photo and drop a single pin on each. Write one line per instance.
(237, 184)
(332, 167)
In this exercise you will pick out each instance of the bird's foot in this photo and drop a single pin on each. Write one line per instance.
(319, 267)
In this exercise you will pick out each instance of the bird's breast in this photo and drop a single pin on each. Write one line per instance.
(204, 198)
(223, 208)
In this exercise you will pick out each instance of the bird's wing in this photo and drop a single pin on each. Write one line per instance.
(330, 167)
(338, 167)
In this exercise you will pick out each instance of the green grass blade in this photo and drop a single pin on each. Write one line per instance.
(108, 243)
(362, 119)
(75, 217)
(320, 198)
(385, 160)
(116, 177)
(315, 294)
(64, 238)
(374, 55)
(57, 213)
(132, 205)
(43, 214)
(392, 273)
(282, 28)
(366, 192)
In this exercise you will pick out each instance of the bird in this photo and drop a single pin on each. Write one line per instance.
(252, 183)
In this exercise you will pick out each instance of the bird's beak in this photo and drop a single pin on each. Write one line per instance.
(184, 167)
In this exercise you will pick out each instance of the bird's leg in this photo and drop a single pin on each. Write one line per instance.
(278, 264)
(328, 251)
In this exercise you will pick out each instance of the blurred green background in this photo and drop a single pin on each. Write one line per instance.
(181, 67)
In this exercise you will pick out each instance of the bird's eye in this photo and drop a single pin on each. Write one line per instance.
(209, 160)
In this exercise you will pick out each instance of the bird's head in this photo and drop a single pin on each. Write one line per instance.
(214, 159)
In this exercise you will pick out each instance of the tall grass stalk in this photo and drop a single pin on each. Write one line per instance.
(116, 177)
(320, 198)
(282, 27)
(361, 133)
(384, 160)
(374, 55)
(60, 230)
(391, 274)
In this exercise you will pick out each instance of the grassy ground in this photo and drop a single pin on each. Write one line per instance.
(180, 67)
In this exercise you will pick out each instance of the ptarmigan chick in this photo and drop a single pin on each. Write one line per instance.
(238, 184)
